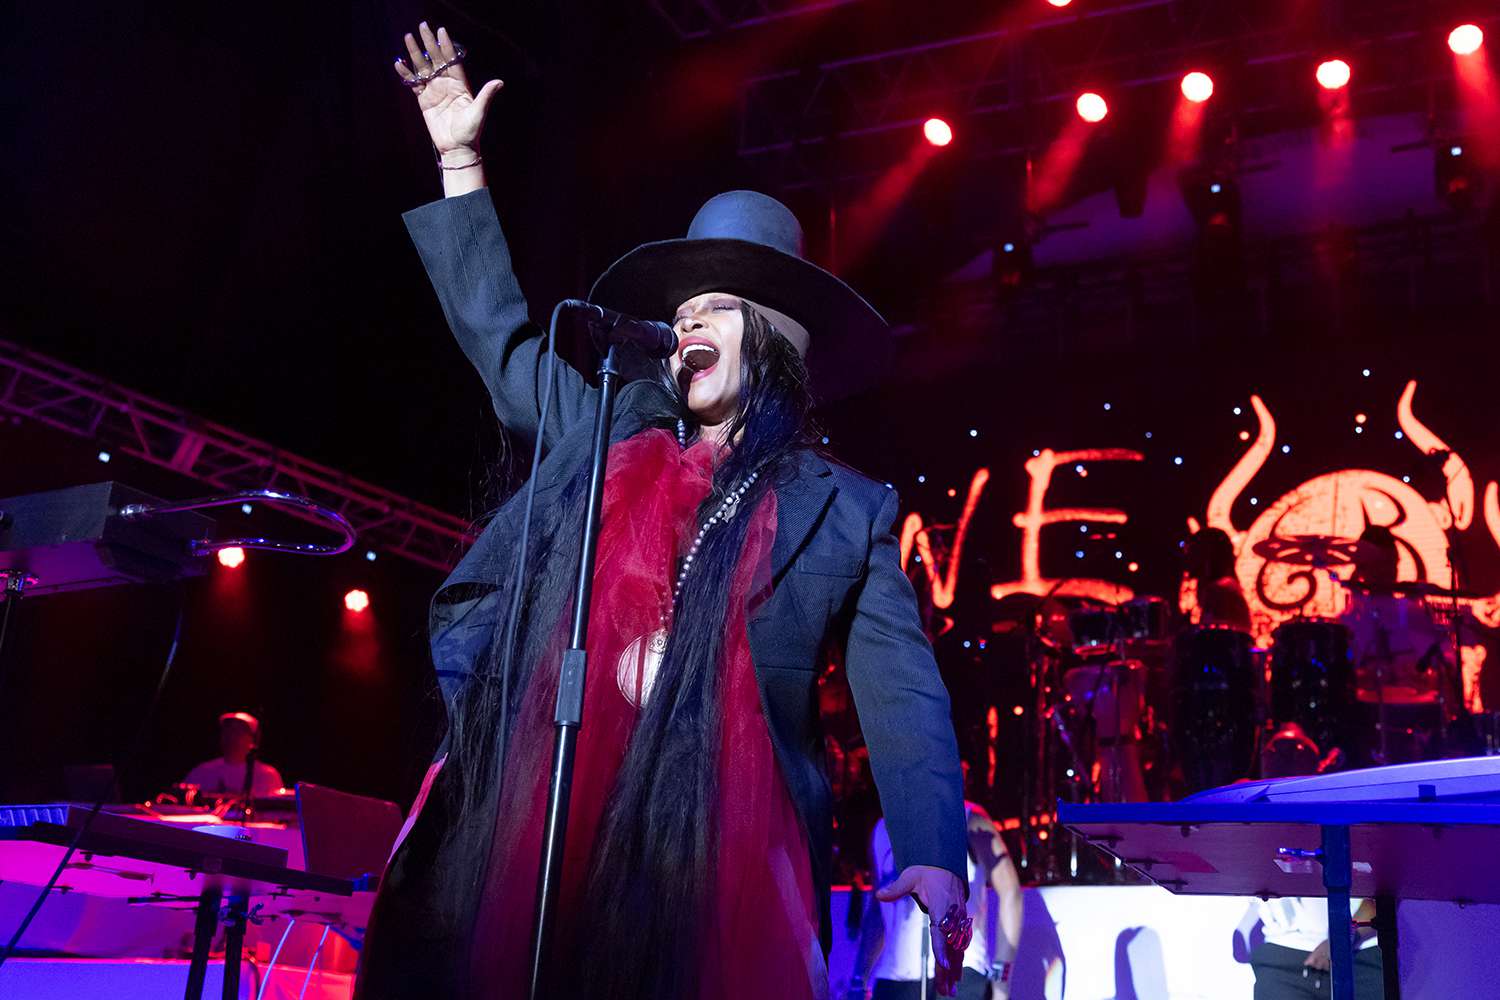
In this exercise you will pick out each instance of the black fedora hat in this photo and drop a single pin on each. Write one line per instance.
(749, 244)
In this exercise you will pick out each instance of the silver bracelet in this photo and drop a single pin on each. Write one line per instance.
(462, 166)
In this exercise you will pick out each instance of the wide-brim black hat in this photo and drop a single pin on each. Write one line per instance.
(750, 245)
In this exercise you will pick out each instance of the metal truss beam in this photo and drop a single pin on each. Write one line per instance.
(695, 19)
(120, 420)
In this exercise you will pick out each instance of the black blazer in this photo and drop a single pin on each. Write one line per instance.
(835, 565)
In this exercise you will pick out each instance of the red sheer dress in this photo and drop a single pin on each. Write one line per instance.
(761, 936)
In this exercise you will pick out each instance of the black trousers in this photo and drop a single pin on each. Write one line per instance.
(973, 986)
(1280, 975)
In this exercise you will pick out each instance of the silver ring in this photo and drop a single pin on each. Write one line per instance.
(459, 54)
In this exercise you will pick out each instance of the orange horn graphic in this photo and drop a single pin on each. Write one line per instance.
(1455, 472)
(1492, 510)
(1244, 470)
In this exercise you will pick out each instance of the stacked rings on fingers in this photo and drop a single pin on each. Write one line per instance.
(459, 52)
(958, 931)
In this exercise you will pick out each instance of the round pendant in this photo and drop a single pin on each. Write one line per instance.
(635, 672)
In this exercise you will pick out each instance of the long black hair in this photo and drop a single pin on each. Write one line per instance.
(651, 874)
(649, 888)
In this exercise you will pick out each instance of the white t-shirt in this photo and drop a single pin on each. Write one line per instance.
(218, 775)
(906, 924)
(1301, 922)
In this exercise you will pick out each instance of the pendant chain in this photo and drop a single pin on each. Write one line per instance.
(725, 512)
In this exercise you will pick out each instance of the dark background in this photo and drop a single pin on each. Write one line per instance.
(203, 204)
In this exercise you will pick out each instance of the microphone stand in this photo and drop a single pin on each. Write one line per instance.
(1453, 680)
(570, 685)
(248, 789)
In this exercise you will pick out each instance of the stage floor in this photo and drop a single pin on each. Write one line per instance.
(1108, 942)
(1077, 943)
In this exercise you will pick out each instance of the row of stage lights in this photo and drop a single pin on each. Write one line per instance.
(1197, 86)
(356, 600)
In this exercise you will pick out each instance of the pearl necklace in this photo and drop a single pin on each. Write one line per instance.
(639, 662)
(728, 507)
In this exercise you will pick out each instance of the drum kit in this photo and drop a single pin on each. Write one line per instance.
(1096, 673)
(1135, 706)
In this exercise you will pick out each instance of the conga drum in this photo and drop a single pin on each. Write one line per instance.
(1312, 684)
(1105, 700)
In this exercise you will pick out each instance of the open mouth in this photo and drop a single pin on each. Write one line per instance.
(700, 357)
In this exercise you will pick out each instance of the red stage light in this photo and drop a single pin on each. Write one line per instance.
(1091, 107)
(1197, 86)
(1333, 74)
(1465, 39)
(1059, 3)
(937, 131)
(231, 558)
(357, 601)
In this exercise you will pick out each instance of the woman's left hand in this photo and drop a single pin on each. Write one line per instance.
(940, 893)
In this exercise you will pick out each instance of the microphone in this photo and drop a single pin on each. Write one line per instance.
(652, 338)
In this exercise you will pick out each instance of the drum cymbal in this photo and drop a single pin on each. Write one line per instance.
(1408, 588)
(1317, 551)
(1396, 694)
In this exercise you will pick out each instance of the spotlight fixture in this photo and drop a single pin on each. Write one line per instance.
(232, 558)
(357, 601)
(1333, 74)
(1197, 86)
(1213, 199)
(1454, 176)
(1091, 107)
(937, 132)
(1012, 264)
(1465, 39)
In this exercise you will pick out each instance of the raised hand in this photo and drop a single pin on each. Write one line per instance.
(454, 114)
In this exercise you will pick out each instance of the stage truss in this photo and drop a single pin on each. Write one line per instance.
(121, 421)
(691, 19)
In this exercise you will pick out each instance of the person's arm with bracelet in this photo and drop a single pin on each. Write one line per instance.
(1007, 886)
(453, 113)
(466, 255)
(988, 850)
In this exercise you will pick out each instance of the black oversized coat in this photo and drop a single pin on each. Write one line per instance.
(835, 571)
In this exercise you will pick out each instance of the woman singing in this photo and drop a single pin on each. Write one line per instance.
(730, 554)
